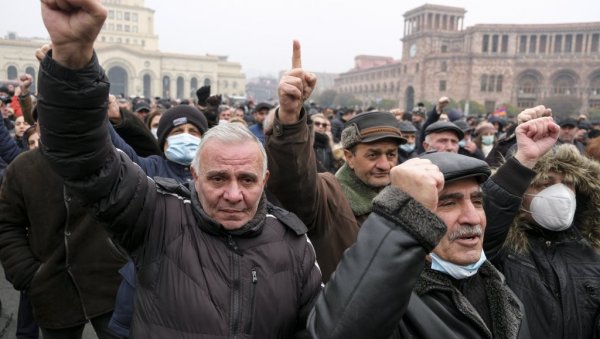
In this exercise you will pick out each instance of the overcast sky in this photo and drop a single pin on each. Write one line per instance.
(259, 33)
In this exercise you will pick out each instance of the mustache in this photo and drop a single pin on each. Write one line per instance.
(466, 231)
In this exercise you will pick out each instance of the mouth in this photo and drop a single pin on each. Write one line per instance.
(468, 240)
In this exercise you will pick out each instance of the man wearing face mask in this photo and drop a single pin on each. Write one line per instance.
(179, 132)
(551, 256)
(407, 151)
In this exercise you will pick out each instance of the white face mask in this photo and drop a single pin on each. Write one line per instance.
(154, 130)
(454, 270)
(553, 208)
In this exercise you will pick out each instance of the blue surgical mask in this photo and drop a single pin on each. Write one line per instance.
(182, 148)
(154, 130)
(487, 139)
(454, 270)
(462, 143)
(407, 147)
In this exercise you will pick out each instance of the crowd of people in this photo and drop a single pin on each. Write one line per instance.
(153, 218)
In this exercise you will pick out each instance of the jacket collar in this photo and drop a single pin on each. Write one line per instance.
(505, 308)
(253, 228)
(359, 195)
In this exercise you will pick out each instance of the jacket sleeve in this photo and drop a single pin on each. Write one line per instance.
(316, 198)
(72, 108)
(503, 194)
(148, 164)
(135, 133)
(369, 292)
(311, 286)
(17, 259)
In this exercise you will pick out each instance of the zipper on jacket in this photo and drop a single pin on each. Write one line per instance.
(67, 234)
(236, 290)
(251, 299)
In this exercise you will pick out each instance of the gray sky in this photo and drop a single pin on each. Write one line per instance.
(259, 33)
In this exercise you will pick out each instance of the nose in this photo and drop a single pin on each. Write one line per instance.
(383, 163)
(469, 215)
(233, 193)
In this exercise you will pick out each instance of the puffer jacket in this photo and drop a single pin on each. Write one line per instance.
(383, 287)
(53, 249)
(557, 274)
(194, 279)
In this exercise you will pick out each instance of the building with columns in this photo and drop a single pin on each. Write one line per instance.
(128, 50)
(492, 64)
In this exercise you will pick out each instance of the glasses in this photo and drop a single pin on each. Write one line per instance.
(320, 124)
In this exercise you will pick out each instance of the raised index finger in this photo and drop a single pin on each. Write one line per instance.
(296, 55)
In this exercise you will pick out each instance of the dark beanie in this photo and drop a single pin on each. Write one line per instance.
(179, 115)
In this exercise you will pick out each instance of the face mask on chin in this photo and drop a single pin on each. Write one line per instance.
(182, 148)
(553, 208)
(456, 271)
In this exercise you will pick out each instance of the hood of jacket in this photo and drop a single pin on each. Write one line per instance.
(584, 173)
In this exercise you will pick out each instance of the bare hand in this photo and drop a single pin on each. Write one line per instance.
(533, 113)
(41, 52)
(441, 104)
(294, 88)
(420, 179)
(470, 146)
(113, 112)
(25, 81)
(535, 138)
(73, 26)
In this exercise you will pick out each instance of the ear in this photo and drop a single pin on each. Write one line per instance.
(349, 158)
(266, 178)
(194, 175)
(426, 146)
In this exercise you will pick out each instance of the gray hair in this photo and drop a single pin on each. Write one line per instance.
(229, 134)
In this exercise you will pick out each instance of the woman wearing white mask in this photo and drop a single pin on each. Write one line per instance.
(551, 257)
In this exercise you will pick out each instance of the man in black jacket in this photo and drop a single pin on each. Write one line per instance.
(418, 268)
(214, 259)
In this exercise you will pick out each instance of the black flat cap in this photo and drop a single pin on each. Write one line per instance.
(262, 105)
(407, 127)
(457, 166)
(370, 127)
(442, 126)
(568, 122)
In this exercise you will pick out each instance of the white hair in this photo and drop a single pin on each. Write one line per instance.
(229, 134)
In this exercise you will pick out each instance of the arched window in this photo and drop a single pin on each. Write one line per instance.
(147, 85)
(166, 90)
(193, 86)
(12, 73)
(206, 82)
(180, 87)
(118, 80)
(564, 84)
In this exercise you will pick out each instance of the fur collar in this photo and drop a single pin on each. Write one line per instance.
(505, 308)
(359, 195)
(584, 173)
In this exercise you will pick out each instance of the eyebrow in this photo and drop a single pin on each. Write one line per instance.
(457, 195)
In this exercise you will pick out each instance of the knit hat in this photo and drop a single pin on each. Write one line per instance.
(179, 115)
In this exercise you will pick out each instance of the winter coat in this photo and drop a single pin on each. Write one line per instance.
(383, 287)
(194, 279)
(51, 247)
(557, 274)
(316, 198)
(135, 133)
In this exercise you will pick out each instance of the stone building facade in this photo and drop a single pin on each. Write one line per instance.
(492, 64)
(128, 50)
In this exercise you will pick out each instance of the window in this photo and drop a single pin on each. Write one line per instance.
(134, 17)
(119, 27)
(543, 44)
(111, 14)
(119, 15)
(442, 85)
(483, 86)
(495, 43)
(444, 66)
(595, 42)
(417, 68)
(126, 28)
(568, 43)
(578, 43)
(485, 43)
(557, 43)
(532, 44)
(11, 73)
(504, 47)
(444, 48)
(127, 16)
(499, 80)
(491, 82)
(523, 44)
